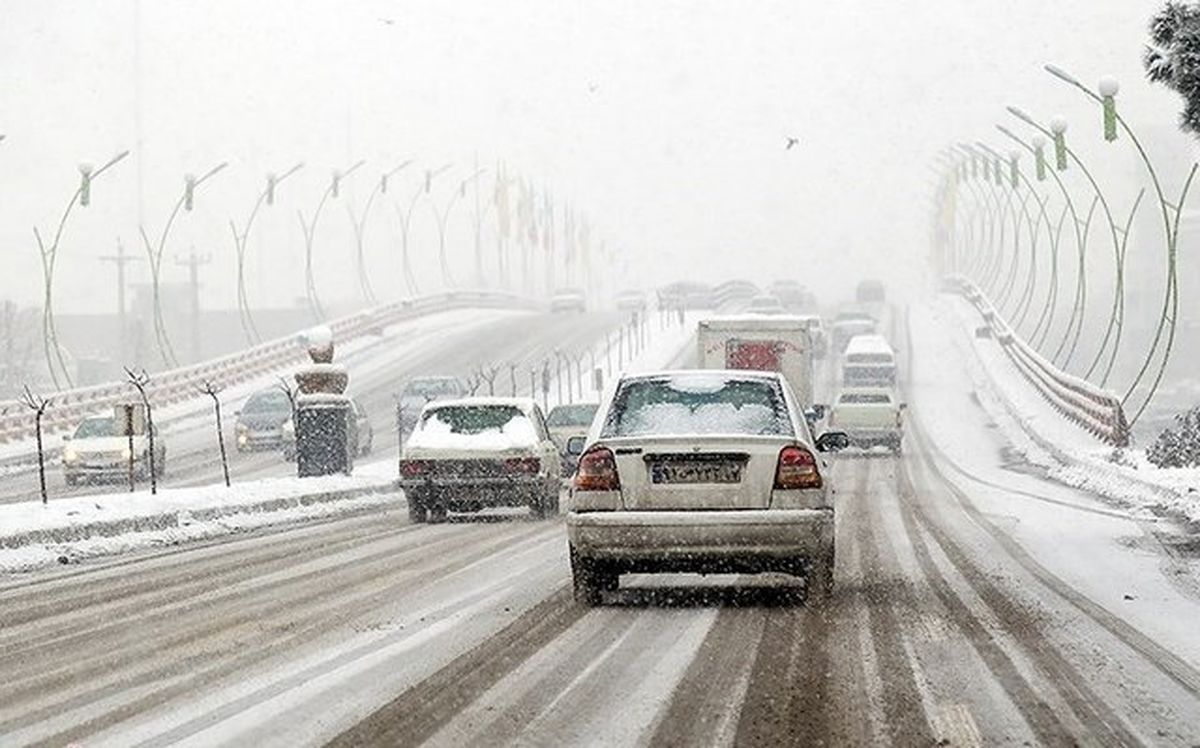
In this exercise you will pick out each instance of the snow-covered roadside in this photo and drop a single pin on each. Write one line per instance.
(66, 530)
(34, 536)
(1040, 435)
(17, 458)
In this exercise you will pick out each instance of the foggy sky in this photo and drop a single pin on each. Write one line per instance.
(665, 122)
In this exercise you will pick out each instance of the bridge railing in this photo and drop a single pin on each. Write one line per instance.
(67, 407)
(1096, 410)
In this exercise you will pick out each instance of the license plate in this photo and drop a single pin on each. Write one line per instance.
(695, 472)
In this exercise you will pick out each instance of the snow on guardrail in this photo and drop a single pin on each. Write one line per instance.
(176, 385)
(1096, 410)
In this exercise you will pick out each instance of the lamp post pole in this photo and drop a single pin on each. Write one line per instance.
(49, 255)
(266, 197)
(310, 232)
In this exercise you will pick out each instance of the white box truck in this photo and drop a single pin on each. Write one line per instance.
(781, 343)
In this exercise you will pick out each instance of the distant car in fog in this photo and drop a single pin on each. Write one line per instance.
(870, 292)
(259, 424)
(479, 452)
(422, 390)
(791, 294)
(566, 421)
(847, 325)
(686, 295)
(631, 300)
(568, 300)
(764, 304)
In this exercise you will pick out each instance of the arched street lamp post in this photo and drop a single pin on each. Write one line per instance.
(266, 197)
(49, 255)
(310, 232)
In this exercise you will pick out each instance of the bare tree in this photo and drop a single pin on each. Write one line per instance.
(139, 381)
(488, 374)
(211, 389)
(38, 405)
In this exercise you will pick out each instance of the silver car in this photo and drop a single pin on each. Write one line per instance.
(712, 471)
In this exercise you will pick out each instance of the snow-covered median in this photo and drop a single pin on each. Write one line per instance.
(66, 530)
(944, 332)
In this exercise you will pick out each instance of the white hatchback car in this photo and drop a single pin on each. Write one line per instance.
(712, 471)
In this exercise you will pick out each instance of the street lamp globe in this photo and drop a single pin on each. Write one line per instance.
(1039, 141)
(1058, 124)
(1109, 86)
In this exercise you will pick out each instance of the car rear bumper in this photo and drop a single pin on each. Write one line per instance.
(476, 491)
(683, 540)
(873, 437)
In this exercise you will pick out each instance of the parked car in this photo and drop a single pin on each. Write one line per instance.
(765, 304)
(568, 300)
(98, 451)
(361, 434)
(631, 301)
(871, 417)
(419, 391)
(480, 452)
(566, 421)
(701, 471)
(259, 423)
(869, 292)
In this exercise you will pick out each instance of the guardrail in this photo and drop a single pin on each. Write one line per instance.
(176, 385)
(1096, 410)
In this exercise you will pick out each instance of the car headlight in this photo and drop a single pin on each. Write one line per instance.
(70, 455)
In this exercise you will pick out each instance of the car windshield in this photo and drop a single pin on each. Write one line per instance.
(275, 401)
(698, 404)
(473, 419)
(96, 427)
(431, 388)
(572, 415)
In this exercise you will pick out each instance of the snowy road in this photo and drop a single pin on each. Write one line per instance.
(977, 603)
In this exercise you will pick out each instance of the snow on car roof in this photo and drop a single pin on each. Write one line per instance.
(868, 344)
(524, 403)
(695, 374)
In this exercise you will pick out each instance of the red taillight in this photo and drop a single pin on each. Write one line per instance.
(526, 465)
(597, 471)
(797, 468)
(414, 468)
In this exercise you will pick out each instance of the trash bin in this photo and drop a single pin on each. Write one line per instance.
(323, 435)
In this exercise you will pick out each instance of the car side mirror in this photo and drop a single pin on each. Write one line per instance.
(815, 412)
(833, 441)
(66, 437)
(575, 446)
(903, 406)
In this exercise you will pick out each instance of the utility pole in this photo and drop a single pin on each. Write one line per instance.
(120, 259)
(193, 262)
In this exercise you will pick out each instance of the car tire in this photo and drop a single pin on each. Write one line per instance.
(546, 504)
(437, 514)
(71, 480)
(417, 513)
(590, 579)
(818, 580)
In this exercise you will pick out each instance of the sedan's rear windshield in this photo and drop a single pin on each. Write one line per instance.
(698, 404)
(474, 419)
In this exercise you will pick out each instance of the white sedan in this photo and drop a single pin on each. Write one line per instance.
(710, 471)
(475, 453)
